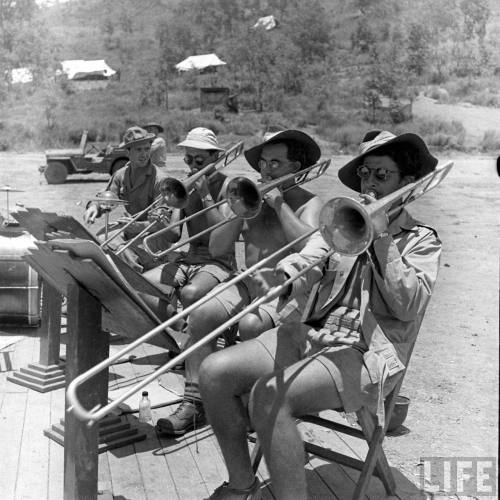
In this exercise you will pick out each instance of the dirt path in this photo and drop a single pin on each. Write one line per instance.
(453, 377)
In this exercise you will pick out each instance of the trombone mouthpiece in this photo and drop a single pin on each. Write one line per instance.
(373, 194)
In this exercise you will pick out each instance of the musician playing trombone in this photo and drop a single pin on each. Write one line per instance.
(358, 327)
(190, 275)
(287, 213)
(139, 183)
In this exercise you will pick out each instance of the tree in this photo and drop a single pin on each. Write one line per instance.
(476, 15)
(418, 49)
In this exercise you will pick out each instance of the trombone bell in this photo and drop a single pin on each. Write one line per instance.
(174, 192)
(346, 225)
(243, 197)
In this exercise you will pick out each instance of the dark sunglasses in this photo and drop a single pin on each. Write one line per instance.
(381, 174)
(198, 160)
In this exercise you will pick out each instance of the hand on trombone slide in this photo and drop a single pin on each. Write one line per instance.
(273, 197)
(380, 220)
(267, 278)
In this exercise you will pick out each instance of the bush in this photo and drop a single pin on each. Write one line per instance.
(490, 141)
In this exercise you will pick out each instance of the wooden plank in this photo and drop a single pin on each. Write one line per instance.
(46, 264)
(154, 472)
(11, 433)
(104, 482)
(56, 451)
(125, 473)
(34, 450)
(187, 478)
(347, 445)
(50, 328)
(39, 224)
(122, 314)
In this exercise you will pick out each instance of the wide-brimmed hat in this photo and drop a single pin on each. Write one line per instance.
(378, 138)
(201, 138)
(154, 124)
(311, 148)
(134, 135)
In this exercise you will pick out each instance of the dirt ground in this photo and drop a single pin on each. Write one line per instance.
(452, 380)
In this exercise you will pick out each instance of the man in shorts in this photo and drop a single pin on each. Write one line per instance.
(190, 275)
(287, 213)
(359, 323)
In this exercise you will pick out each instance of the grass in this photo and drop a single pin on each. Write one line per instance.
(40, 118)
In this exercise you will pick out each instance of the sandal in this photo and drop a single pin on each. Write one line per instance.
(224, 492)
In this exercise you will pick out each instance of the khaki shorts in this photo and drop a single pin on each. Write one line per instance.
(179, 274)
(235, 298)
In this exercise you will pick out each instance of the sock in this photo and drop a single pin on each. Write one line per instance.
(192, 393)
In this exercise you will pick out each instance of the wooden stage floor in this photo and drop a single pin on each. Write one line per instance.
(31, 465)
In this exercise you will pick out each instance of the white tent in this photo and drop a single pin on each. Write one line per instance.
(199, 62)
(79, 68)
(21, 75)
(266, 22)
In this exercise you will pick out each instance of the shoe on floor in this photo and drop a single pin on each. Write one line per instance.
(224, 492)
(186, 417)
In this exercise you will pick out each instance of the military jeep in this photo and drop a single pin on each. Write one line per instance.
(84, 160)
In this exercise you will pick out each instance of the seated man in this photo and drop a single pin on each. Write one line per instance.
(358, 326)
(158, 146)
(283, 218)
(139, 183)
(192, 274)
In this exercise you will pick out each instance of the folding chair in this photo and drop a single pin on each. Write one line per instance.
(375, 462)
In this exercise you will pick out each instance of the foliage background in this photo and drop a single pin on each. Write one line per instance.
(326, 68)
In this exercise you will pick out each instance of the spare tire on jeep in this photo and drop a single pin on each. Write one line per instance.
(56, 172)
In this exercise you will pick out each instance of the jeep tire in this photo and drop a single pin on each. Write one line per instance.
(56, 172)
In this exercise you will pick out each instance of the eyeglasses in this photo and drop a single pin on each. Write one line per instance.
(198, 160)
(381, 174)
(270, 164)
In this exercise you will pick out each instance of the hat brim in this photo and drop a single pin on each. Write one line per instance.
(149, 139)
(157, 125)
(189, 143)
(313, 152)
(349, 177)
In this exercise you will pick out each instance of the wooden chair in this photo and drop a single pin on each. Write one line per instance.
(375, 462)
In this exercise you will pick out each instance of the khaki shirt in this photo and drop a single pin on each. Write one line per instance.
(139, 195)
(397, 280)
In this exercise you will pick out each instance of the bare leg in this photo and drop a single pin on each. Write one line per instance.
(199, 286)
(224, 377)
(255, 323)
(202, 321)
(164, 309)
(306, 386)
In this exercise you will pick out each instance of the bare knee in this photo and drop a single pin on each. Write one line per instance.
(216, 374)
(250, 326)
(189, 294)
(204, 319)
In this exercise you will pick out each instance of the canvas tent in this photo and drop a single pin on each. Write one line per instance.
(21, 75)
(79, 69)
(266, 22)
(199, 62)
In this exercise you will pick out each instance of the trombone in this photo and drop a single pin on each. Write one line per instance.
(347, 211)
(176, 194)
(244, 198)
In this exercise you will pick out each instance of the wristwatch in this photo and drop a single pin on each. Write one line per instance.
(383, 234)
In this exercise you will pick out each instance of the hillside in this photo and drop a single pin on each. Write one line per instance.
(325, 68)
